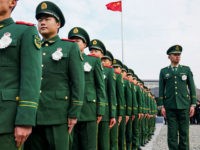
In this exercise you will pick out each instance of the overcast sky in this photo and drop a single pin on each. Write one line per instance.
(150, 27)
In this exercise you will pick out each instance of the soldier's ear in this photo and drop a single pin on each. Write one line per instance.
(12, 4)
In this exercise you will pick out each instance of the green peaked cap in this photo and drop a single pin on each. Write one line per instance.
(52, 9)
(108, 55)
(176, 49)
(79, 33)
(97, 44)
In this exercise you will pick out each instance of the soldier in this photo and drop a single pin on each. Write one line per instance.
(61, 96)
(108, 120)
(128, 109)
(20, 68)
(85, 133)
(136, 111)
(117, 65)
(177, 97)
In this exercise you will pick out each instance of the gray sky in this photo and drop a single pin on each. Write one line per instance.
(150, 28)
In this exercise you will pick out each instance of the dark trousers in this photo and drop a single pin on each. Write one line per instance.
(52, 137)
(7, 142)
(122, 138)
(136, 134)
(85, 136)
(103, 136)
(114, 137)
(178, 129)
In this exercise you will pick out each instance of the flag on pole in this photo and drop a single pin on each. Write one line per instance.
(114, 6)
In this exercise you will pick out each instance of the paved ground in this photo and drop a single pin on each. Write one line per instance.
(159, 140)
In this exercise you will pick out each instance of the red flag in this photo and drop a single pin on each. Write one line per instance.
(114, 6)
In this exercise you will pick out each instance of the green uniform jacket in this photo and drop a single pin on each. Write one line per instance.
(20, 67)
(110, 88)
(120, 95)
(62, 82)
(128, 97)
(94, 97)
(176, 88)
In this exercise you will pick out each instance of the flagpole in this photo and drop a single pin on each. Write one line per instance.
(122, 33)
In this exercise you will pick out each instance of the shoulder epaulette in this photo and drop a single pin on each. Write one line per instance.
(69, 40)
(24, 23)
(93, 55)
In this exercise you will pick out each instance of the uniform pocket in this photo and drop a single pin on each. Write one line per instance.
(10, 94)
(62, 95)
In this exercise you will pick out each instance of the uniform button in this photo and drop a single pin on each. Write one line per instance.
(40, 91)
(42, 65)
(43, 54)
(175, 87)
(94, 100)
(66, 97)
(175, 82)
(17, 98)
(46, 44)
(176, 93)
(175, 77)
(41, 78)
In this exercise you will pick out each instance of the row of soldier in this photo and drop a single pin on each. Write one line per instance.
(54, 96)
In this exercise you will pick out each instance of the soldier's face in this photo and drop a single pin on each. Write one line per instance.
(80, 43)
(117, 69)
(130, 78)
(6, 6)
(124, 74)
(48, 26)
(96, 52)
(106, 62)
(175, 58)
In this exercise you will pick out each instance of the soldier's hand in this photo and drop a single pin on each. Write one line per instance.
(71, 123)
(112, 122)
(127, 118)
(192, 109)
(21, 134)
(133, 117)
(99, 119)
(163, 112)
(119, 119)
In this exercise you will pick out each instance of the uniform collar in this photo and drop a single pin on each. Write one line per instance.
(50, 41)
(6, 22)
(174, 66)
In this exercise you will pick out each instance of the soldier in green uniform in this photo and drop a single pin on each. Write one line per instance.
(117, 65)
(62, 89)
(128, 109)
(177, 97)
(136, 97)
(20, 67)
(108, 119)
(85, 133)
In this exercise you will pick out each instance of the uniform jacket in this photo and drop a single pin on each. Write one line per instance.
(120, 95)
(128, 97)
(110, 88)
(62, 82)
(20, 67)
(94, 96)
(176, 88)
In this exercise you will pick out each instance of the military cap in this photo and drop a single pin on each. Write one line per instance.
(97, 44)
(125, 68)
(130, 72)
(108, 55)
(52, 9)
(80, 33)
(135, 76)
(176, 49)
(117, 63)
